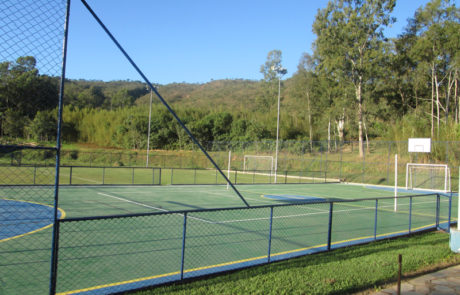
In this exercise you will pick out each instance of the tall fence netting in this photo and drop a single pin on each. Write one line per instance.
(31, 38)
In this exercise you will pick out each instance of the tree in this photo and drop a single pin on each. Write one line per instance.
(121, 99)
(24, 92)
(435, 30)
(43, 126)
(270, 88)
(13, 123)
(91, 97)
(349, 43)
(305, 89)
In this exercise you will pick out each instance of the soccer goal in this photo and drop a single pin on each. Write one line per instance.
(434, 177)
(258, 163)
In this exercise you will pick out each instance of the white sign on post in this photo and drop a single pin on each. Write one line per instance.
(419, 145)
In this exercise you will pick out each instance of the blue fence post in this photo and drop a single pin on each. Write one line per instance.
(54, 258)
(270, 234)
(329, 230)
(450, 211)
(437, 210)
(182, 260)
(410, 214)
(375, 218)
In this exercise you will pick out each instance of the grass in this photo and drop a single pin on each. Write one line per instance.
(342, 271)
(377, 167)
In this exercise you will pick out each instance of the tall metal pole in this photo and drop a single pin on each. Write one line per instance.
(277, 126)
(396, 183)
(148, 134)
(280, 71)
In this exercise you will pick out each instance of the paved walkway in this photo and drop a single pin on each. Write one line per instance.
(446, 281)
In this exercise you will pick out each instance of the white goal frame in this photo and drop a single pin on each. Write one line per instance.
(444, 167)
(257, 157)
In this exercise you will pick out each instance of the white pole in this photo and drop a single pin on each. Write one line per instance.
(229, 160)
(396, 182)
(148, 133)
(277, 126)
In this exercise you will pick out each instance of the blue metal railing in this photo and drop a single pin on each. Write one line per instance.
(217, 240)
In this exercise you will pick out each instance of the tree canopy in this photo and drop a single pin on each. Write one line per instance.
(356, 84)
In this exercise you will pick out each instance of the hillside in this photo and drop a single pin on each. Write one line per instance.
(389, 89)
(217, 94)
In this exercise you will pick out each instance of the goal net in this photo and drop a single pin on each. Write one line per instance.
(434, 177)
(258, 163)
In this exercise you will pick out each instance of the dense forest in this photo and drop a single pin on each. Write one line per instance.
(356, 85)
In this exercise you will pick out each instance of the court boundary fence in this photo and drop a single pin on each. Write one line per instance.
(181, 272)
(98, 175)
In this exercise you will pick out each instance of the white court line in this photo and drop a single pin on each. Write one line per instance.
(299, 215)
(77, 177)
(152, 207)
(136, 203)
(321, 211)
(204, 192)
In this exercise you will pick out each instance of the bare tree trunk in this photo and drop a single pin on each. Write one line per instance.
(457, 118)
(437, 102)
(310, 131)
(329, 135)
(365, 132)
(340, 126)
(335, 138)
(360, 117)
(432, 102)
(450, 84)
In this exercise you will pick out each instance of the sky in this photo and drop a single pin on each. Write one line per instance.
(196, 41)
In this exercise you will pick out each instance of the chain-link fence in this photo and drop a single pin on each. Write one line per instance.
(43, 252)
(341, 162)
(94, 175)
(26, 217)
(31, 58)
(118, 253)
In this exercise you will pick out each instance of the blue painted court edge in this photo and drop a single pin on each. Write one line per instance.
(19, 218)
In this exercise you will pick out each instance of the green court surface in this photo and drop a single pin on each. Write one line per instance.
(112, 253)
(81, 201)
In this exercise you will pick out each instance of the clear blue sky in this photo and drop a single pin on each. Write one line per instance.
(196, 41)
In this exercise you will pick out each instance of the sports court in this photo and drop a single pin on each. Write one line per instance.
(146, 235)
(81, 201)
(89, 229)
